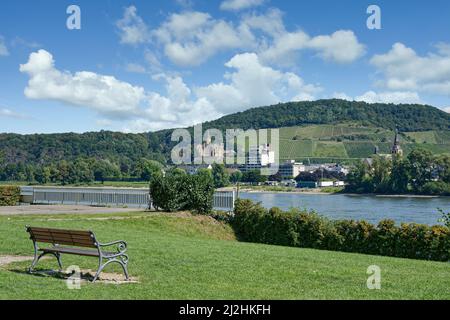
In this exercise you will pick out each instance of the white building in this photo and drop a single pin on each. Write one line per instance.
(291, 169)
(259, 157)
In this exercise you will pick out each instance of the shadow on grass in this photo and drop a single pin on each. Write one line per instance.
(84, 276)
(45, 273)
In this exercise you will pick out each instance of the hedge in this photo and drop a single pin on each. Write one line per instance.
(9, 195)
(179, 191)
(296, 228)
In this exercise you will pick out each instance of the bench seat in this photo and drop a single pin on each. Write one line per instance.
(80, 243)
(75, 251)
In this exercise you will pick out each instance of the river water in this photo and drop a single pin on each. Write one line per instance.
(357, 207)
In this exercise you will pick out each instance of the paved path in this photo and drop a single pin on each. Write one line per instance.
(62, 209)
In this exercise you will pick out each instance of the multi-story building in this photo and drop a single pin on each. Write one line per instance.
(291, 169)
(259, 157)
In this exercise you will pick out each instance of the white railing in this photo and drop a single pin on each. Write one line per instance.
(123, 197)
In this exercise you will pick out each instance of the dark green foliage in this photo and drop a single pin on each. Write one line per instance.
(9, 195)
(253, 223)
(421, 173)
(405, 117)
(220, 176)
(253, 176)
(179, 191)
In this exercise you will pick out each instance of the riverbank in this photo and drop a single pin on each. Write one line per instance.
(330, 191)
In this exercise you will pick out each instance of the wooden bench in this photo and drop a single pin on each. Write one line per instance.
(81, 243)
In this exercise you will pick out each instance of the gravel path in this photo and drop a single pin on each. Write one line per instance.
(62, 209)
(10, 259)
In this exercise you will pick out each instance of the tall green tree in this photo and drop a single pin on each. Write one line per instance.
(220, 175)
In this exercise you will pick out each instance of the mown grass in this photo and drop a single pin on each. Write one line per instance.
(178, 256)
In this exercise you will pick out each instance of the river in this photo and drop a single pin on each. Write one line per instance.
(358, 207)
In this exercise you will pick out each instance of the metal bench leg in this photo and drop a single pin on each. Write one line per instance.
(100, 268)
(58, 257)
(123, 261)
(36, 258)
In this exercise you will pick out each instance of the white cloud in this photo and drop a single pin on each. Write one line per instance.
(404, 69)
(104, 94)
(135, 68)
(253, 84)
(389, 97)
(5, 112)
(342, 46)
(235, 5)
(132, 28)
(382, 97)
(190, 38)
(342, 96)
(447, 109)
(3, 49)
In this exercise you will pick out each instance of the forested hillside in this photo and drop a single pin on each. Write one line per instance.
(405, 117)
(323, 130)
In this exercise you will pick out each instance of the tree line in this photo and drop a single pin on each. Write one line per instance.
(80, 170)
(420, 172)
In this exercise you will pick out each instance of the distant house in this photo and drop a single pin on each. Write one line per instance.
(307, 184)
(259, 157)
(289, 183)
(323, 184)
(291, 169)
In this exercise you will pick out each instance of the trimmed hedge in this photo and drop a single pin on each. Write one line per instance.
(9, 195)
(296, 228)
(179, 191)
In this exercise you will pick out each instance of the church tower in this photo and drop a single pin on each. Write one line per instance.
(396, 148)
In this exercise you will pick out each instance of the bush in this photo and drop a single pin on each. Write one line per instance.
(253, 223)
(178, 191)
(9, 195)
(436, 188)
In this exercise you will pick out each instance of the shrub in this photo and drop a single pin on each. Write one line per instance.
(178, 191)
(437, 188)
(9, 195)
(296, 228)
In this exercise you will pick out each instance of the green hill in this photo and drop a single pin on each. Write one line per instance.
(323, 143)
(323, 130)
(179, 256)
(405, 117)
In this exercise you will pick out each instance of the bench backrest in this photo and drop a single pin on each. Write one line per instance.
(64, 237)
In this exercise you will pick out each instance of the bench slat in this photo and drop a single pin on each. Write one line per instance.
(75, 232)
(60, 236)
(75, 251)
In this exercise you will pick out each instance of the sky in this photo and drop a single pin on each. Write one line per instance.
(137, 66)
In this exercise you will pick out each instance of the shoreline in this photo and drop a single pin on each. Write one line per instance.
(318, 192)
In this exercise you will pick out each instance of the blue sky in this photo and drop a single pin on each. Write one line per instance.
(137, 66)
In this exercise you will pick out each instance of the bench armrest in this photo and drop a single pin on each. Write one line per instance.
(121, 245)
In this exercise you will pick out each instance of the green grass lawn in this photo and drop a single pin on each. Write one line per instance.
(183, 257)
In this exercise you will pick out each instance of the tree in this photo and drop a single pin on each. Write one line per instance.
(220, 176)
(359, 179)
(421, 167)
(253, 176)
(443, 167)
(145, 168)
(380, 174)
(400, 176)
(236, 177)
(103, 169)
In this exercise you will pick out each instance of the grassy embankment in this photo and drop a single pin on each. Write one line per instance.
(179, 256)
